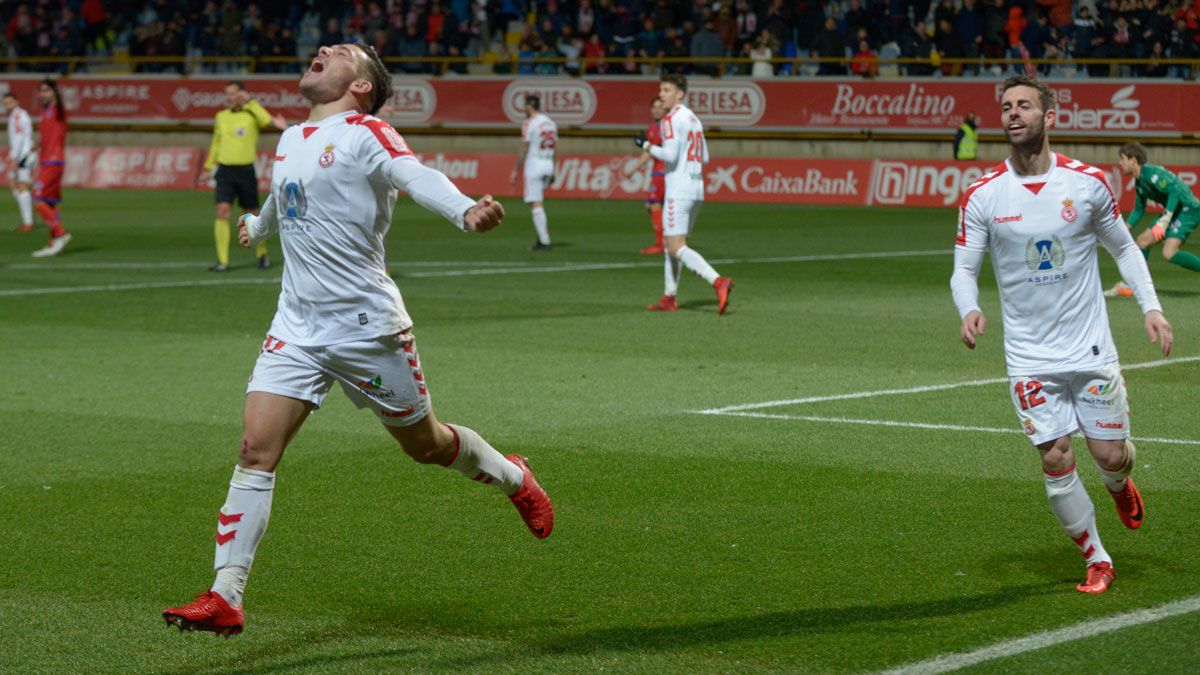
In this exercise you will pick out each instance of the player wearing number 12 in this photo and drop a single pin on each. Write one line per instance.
(1040, 215)
(685, 153)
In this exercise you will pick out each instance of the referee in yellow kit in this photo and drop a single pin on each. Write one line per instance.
(233, 151)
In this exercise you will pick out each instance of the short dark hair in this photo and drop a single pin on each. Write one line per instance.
(1045, 93)
(533, 101)
(381, 79)
(9, 94)
(654, 100)
(236, 83)
(1136, 151)
(676, 79)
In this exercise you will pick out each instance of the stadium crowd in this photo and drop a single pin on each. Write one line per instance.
(610, 36)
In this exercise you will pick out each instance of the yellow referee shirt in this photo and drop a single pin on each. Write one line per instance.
(235, 135)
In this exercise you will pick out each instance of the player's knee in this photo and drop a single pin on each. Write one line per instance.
(1169, 252)
(224, 211)
(1057, 454)
(255, 452)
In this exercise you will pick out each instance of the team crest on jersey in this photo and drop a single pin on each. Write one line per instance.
(1043, 255)
(327, 157)
(1030, 430)
(1069, 212)
(241, 131)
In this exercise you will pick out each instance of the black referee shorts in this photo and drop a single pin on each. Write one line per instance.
(239, 181)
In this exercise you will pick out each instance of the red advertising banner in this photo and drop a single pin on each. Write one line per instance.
(849, 182)
(1121, 108)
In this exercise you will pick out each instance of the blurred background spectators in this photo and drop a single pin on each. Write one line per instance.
(598, 37)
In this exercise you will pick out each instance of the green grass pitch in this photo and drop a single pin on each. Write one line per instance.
(684, 542)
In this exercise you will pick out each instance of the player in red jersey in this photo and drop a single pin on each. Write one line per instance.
(654, 198)
(47, 190)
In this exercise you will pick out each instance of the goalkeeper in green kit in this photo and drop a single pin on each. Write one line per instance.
(1179, 219)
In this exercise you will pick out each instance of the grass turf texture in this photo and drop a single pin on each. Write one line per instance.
(682, 541)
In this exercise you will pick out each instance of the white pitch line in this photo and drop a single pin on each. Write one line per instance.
(508, 269)
(1037, 641)
(199, 265)
(917, 425)
(910, 390)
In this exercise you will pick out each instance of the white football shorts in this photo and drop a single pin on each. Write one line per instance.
(679, 216)
(537, 182)
(1093, 402)
(24, 174)
(383, 374)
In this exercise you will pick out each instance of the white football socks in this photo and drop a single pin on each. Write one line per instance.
(1115, 480)
(241, 524)
(696, 263)
(479, 461)
(539, 224)
(25, 204)
(1074, 510)
(670, 275)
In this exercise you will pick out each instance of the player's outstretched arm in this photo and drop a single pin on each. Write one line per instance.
(1159, 331)
(486, 214)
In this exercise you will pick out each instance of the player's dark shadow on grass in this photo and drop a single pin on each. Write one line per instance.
(687, 635)
(706, 305)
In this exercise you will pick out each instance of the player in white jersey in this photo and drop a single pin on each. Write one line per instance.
(1040, 215)
(340, 318)
(539, 138)
(685, 152)
(21, 159)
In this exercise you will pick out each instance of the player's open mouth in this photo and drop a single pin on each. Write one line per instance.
(317, 66)
(1016, 127)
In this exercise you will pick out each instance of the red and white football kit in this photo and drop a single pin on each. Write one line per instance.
(340, 316)
(541, 133)
(1042, 233)
(684, 153)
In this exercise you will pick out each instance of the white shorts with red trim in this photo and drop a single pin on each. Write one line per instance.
(679, 216)
(1092, 401)
(383, 374)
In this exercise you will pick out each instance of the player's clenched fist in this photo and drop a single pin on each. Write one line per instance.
(485, 215)
(243, 235)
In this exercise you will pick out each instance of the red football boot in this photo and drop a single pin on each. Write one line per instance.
(724, 286)
(1130, 507)
(532, 503)
(209, 612)
(665, 304)
(1099, 577)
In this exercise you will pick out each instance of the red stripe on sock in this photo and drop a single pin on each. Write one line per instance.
(1081, 539)
(1060, 474)
(1090, 550)
(457, 446)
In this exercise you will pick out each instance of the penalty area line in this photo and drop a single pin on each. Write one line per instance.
(914, 425)
(1038, 641)
(911, 390)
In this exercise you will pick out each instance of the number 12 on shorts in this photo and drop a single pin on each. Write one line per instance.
(1029, 393)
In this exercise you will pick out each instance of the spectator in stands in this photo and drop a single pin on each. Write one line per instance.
(570, 47)
(1156, 68)
(412, 46)
(866, 61)
(332, 33)
(915, 44)
(1085, 31)
(594, 53)
(747, 23)
(968, 24)
(676, 50)
(1057, 12)
(828, 44)
(95, 25)
(726, 29)
(950, 46)
(781, 21)
(765, 47)
(650, 43)
(706, 48)
(995, 42)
